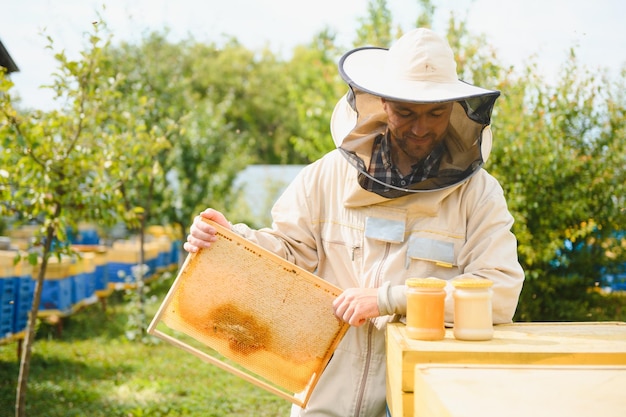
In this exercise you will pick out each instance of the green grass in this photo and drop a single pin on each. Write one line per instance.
(92, 369)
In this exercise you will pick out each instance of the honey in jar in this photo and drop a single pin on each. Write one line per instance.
(472, 309)
(425, 299)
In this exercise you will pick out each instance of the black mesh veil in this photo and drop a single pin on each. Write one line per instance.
(467, 142)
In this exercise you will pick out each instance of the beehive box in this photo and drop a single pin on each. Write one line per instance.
(152, 250)
(56, 293)
(24, 292)
(79, 282)
(101, 278)
(22, 237)
(123, 259)
(87, 234)
(7, 299)
(89, 269)
(519, 391)
(160, 236)
(175, 252)
(97, 267)
(513, 344)
(19, 274)
(164, 257)
(254, 314)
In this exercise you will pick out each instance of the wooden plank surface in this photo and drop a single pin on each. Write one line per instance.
(519, 391)
(592, 343)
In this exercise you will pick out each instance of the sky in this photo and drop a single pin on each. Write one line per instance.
(517, 29)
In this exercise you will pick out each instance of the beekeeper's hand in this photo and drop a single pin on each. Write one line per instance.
(201, 234)
(356, 305)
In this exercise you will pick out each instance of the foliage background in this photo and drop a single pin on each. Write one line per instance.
(153, 132)
(180, 120)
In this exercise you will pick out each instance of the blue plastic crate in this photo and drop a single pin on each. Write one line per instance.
(152, 266)
(90, 283)
(24, 291)
(175, 258)
(56, 294)
(164, 259)
(87, 236)
(101, 278)
(7, 291)
(6, 320)
(120, 272)
(7, 300)
(79, 287)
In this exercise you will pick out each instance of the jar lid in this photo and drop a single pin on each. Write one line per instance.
(429, 282)
(471, 283)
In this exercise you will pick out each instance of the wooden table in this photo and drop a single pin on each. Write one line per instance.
(593, 345)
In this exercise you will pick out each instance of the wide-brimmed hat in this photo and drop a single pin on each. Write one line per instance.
(419, 67)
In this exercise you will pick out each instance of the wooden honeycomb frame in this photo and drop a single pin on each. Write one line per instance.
(272, 320)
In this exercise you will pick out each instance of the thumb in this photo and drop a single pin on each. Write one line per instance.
(216, 216)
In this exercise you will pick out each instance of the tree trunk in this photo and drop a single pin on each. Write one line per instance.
(141, 277)
(29, 338)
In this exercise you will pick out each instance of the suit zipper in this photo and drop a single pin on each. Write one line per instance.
(370, 329)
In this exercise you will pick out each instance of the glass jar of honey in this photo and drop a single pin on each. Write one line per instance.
(472, 309)
(425, 300)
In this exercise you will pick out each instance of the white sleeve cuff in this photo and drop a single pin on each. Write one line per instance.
(391, 299)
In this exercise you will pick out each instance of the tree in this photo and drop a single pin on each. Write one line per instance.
(376, 27)
(218, 136)
(185, 117)
(314, 87)
(219, 106)
(561, 159)
(58, 167)
(145, 129)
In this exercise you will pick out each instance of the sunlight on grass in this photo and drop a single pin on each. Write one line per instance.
(127, 394)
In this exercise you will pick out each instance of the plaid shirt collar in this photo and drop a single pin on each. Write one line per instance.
(382, 168)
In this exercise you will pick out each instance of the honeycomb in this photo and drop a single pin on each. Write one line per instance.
(256, 309)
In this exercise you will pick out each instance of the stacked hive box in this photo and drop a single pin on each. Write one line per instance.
(16, 295)
(73, 282)
(151, 253)
(175, 246)
(23, 237)
(56, 293)
(89, 264)
(101, 273)
(83, 275)
(165, 253)
(24, 291)
(159, 235)
(78, 281)
(169, 244)
(87, 235)
(7, 298)
(124, 264)
(96, 269)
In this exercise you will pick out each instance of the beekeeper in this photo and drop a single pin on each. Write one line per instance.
(404, 195)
